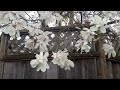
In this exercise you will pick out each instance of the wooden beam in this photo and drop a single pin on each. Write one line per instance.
(29, 57)
(101, 62)
(3, 45)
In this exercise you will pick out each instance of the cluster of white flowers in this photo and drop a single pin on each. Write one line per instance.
(50, 17)
(40, 62)
(99, 23)
(109, 14)
(60, 58)
(87, 36)
(15, 23)
(109, 49)
(42, 41)
(29, 43)
(83, 45)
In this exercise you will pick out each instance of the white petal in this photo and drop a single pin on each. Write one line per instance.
(109, 54)
(93, 28)
(55, 61)
(33, 63)
(37, 45)
(43, 68)
(103, 29)
(39, 67)
(113, 53)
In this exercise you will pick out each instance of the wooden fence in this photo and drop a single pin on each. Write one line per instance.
(93, 65)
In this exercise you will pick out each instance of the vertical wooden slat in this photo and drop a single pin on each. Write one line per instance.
(109, 70)
(61, 73)
(29, 72)
(92, 70)
(118, 73)
(3, 46)
(115, 70)
(18, 70)
(68, 74)
(40, 75)
(76, 72)
(52, 72)
(101, 62)
(85, 68)
(8, 70)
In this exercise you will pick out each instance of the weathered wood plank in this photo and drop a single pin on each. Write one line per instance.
(3, 45)
(8, 70)
(1, 69)
(109, 70)
(13, 70)
(115, 70)
(18, 70)
(28, 57)
(40, 75)
(76, 72)
(101, 62)
(118, 71)
(92, 70)
(52, 73)
(84, 69)
(61, 73)
(29, 72)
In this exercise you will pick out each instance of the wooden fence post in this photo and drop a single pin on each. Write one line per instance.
(3, 45)
(101, 62)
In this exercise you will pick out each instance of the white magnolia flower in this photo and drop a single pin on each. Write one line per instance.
(108, 48)
(88, 34)
(83, 45)
(99, 23)
(102, 29)
(49, 17)
(109, 14)
(4, 17)
(29, 43)
(42, 41)
(60, 58)
(40, 62)
(33, 31)
(19, 24)
(93, 28)
(97, 20)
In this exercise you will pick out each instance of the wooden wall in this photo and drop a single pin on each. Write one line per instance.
(84, 69)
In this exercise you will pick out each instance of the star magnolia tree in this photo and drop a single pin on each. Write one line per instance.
(12, 22)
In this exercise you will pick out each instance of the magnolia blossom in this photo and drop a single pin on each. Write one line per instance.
(50, 17)
(108, 48)
(29, 43)
(87, 35)
(33, 31)
(109, 14)
(40, 62)
(83, 45)
(60, 58)
(4, 17)
(99, 23)
(42, 41)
